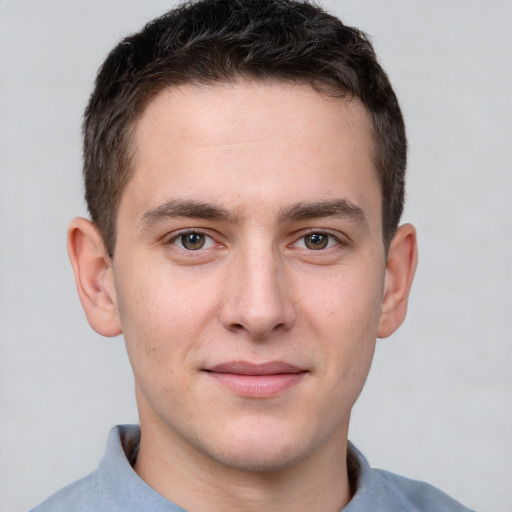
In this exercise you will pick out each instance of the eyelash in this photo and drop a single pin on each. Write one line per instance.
(179, 236)
(332, 240)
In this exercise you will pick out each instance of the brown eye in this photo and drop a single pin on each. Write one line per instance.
(192, 241)
(316, 241)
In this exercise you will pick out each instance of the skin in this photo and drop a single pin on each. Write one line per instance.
(281, 262)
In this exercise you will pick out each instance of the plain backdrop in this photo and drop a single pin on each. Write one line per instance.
(438, 402)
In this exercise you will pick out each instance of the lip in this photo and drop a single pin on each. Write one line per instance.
(256, 380)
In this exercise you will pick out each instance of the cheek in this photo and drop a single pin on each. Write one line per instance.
(346, 303)
(162, 317)
(344, 314)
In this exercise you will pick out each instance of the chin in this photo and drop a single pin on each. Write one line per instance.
(262, 448)
(258, 459)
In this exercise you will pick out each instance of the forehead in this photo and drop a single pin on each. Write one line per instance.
(252, 139)
(244, 104)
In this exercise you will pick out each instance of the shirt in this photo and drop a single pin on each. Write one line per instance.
(115, 487)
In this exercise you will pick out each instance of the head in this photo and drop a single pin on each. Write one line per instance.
(222, 41)
(244, 166)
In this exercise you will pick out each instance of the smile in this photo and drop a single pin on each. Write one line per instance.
(256, 380)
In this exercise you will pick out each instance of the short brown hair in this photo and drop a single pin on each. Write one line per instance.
(211, 41)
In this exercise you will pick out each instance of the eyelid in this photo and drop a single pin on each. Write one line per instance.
(338, 237)
(332, 242)
(176, 235)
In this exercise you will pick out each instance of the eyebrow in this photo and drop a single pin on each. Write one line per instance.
(193, 209)
(342, 208)
(186, 208)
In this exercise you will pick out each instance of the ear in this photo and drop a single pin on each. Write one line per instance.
(94, 277)
(400, 268)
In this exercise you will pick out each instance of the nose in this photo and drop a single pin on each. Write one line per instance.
(258, 297)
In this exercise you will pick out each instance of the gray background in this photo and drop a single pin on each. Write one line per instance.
(438, 403)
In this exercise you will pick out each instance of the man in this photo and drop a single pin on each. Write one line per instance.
(244, 168)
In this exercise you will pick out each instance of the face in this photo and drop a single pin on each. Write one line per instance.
(249, 270)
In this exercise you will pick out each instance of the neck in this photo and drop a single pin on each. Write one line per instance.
(192, 480)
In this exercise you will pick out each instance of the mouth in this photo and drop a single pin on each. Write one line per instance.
(256, 380)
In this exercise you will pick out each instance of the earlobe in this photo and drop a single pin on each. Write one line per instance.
(93, 277)
(400, 269)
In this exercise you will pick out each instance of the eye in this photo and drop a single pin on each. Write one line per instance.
(317, 241)
(193, 241)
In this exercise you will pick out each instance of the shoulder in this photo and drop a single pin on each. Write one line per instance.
(376, 489)
(100, 489)
(414, 495)
(80, 496)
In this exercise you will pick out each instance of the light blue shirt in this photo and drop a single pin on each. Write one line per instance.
(115, 487)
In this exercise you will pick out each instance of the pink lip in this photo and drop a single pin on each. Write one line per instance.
(256, 380)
